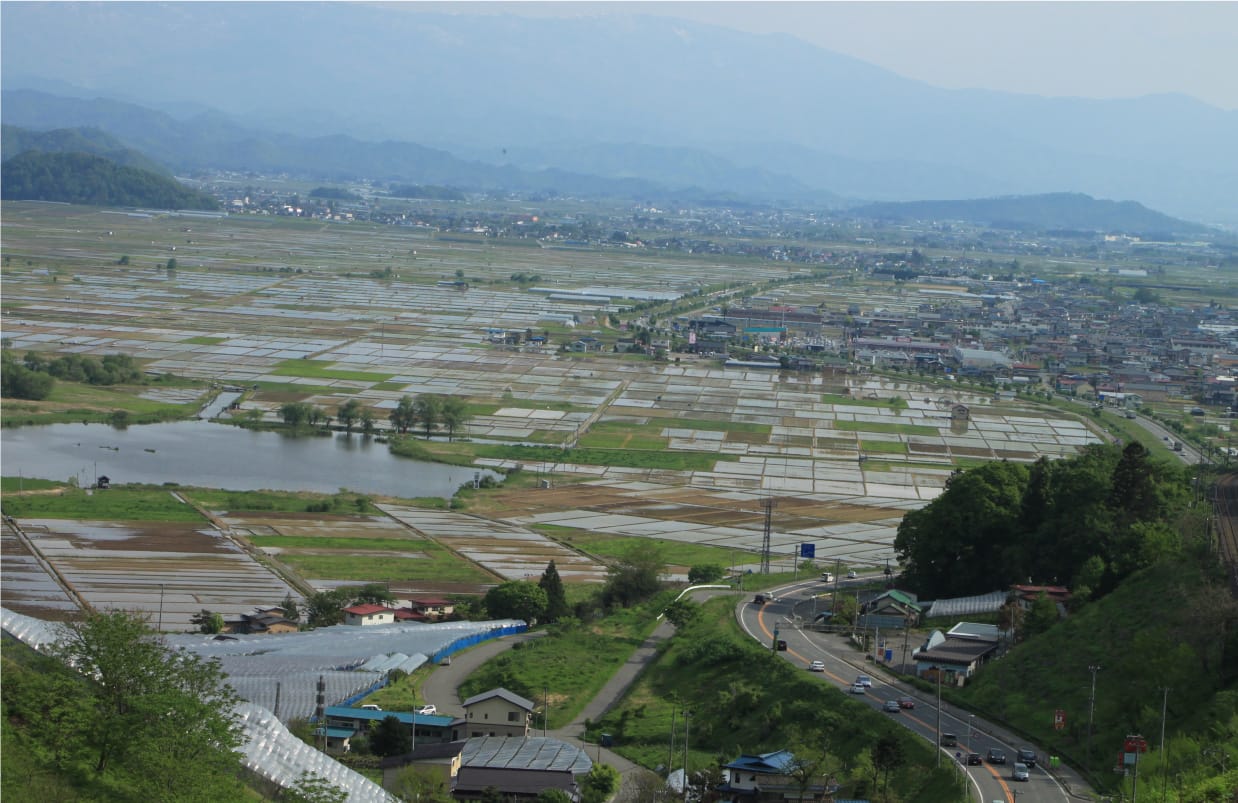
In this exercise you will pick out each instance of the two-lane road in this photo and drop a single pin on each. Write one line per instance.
(990, 782)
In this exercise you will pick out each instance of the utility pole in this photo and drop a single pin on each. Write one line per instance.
(670, 757)
(938, 670)
(687, 718)
(1094, 668)
(768, 504)
(1164, 757)
(161, 607)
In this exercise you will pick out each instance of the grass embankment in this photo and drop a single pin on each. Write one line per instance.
(571, 663)
(743, 699)
(76, 403)
(674, 553)
(280, 501)
(15, 485)
(372, 560)
(464, 453)
(885, 428)
(119, 503)
(1169, 626)
(324, 369)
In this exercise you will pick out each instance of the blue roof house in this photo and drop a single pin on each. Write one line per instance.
(768, 777)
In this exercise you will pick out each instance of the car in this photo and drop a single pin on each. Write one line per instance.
(1019, 772)
(997, 756)
(370, 707)
(1026, 756)
(759, 599)
(425, 709)
(856, 688)
(906, 702)
(851, 575)
(974, 760)
(864, 680)
(816, 666)
(892, 707)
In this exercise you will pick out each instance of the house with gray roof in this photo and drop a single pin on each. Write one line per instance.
(497, 712)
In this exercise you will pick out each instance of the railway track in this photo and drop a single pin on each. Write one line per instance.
(1226, 503)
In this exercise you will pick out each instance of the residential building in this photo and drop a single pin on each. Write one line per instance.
(368, 614)
(497, 712)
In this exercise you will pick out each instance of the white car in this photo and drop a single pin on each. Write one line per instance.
(851, 575)
(864, 680)
(856, 688)
(816, 666)
(425, 709)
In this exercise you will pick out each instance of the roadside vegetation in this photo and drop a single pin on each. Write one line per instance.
(1167, 638)
(743, 699)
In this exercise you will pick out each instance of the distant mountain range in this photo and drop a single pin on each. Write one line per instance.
(211, 139)
(191, 147)
(648, 100)
(1061, 211)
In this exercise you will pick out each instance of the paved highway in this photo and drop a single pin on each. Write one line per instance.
(842, 664)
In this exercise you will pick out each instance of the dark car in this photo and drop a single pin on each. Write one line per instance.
(973, 759)
(1027, 756)
(906, 702)
(997, 756)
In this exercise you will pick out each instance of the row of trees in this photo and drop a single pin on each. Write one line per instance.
(1086, 522)
(631, 579)
(33, 377)
(429, 411)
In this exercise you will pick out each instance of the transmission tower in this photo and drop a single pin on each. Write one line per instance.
(768, 504)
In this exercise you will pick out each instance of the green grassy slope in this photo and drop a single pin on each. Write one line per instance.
(1173, 625)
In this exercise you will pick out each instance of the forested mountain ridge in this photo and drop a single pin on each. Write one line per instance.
(82, 178)
(17, 140)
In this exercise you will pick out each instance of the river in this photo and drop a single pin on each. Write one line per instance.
(222, 456)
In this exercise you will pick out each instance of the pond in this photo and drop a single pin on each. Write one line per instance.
(222, 456)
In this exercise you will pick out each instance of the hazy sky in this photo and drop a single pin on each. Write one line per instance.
(1088, 49)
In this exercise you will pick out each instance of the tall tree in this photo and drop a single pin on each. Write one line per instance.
(454, 414)
(556, 595)
(957, 544)
(633, 577)
(168, 711)
(403, 417)
(348, 413)
(428, 411)
(390, 738)
(517, 599)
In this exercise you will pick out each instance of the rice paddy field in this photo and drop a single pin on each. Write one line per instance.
(684, 450)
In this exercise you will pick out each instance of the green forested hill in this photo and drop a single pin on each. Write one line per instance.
(15, 140)
(1172, 625)
(82, 178)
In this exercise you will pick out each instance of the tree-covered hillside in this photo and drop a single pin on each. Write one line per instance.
(81, 178)
(76, 140)
(1085, 522)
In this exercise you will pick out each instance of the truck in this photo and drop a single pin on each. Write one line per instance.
(1177, 446)
(827, 577)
